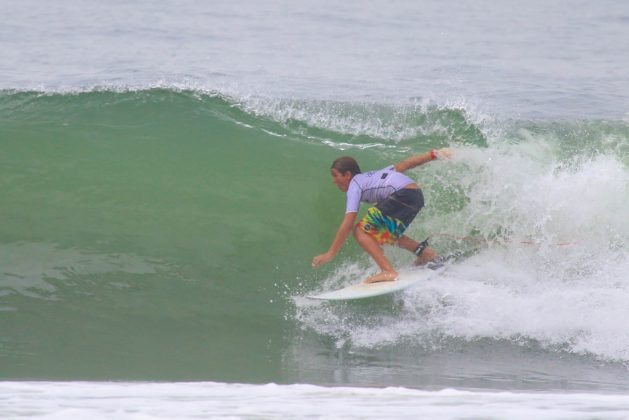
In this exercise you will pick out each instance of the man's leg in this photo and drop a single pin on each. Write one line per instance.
(372, 248)
(409, 244)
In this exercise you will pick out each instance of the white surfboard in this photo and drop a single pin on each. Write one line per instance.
(361, 290)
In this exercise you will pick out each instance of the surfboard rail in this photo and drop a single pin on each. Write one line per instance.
(361, 290)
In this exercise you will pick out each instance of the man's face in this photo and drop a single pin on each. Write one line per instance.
(341, 180)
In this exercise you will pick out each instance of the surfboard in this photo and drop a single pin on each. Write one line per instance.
(361, 290)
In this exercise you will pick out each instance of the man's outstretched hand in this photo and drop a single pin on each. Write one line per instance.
(445, 153)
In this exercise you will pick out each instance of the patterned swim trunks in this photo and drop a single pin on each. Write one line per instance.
(387, 221)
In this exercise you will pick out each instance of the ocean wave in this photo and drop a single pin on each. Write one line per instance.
(235, 192)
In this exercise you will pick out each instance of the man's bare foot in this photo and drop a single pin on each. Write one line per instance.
(428, 255)
(382, 276)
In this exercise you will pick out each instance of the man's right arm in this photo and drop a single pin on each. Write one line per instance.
(341, 235)
(416, 160)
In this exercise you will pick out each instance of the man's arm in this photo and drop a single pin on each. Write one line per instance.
(416, 160)
(341, 235)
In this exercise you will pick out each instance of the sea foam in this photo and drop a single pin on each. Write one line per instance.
(546, 257)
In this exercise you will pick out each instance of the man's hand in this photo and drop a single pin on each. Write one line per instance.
(445, 153)
(321, 259)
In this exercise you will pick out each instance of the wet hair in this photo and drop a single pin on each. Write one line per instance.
(345, 164)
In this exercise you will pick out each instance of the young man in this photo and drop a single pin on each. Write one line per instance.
(398, 200)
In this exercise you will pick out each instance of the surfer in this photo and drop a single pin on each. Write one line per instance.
(397, 200)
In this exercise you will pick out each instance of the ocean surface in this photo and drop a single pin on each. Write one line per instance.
(164, 185)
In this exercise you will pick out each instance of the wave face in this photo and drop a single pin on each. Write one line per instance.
(167, 234)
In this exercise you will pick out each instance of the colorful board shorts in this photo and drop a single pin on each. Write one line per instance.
(387, 221)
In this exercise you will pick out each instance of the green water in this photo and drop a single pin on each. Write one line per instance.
(149, 236)
(159, 235)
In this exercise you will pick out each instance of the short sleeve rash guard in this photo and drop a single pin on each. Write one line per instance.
(374, 186)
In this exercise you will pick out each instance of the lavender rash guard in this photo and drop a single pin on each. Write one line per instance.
(374, 186)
